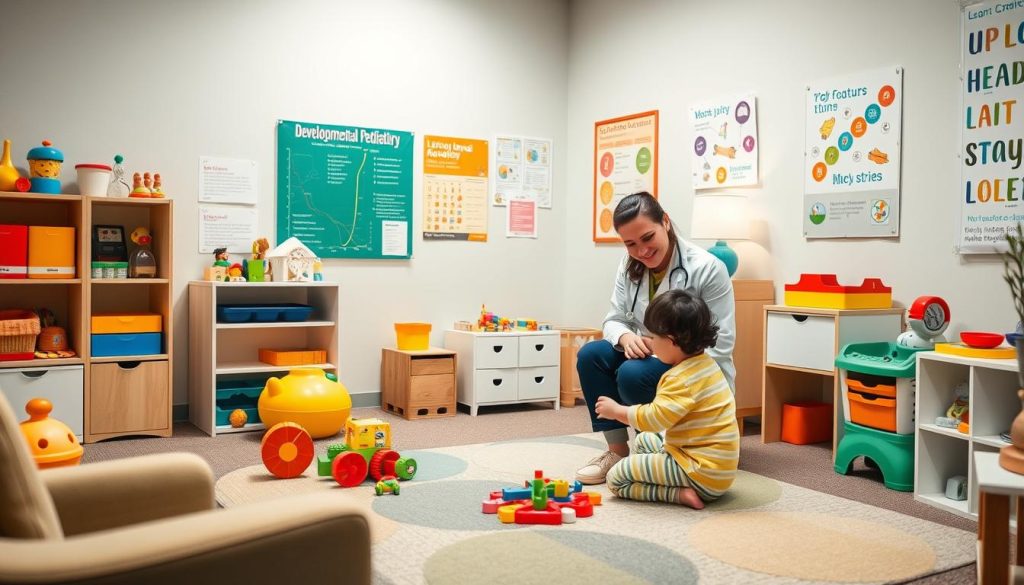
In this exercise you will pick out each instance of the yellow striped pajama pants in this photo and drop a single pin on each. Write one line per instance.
(649, 474)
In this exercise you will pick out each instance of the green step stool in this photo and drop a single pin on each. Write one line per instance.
(894, 454)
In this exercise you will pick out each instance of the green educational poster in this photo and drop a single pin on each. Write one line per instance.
(345, 191)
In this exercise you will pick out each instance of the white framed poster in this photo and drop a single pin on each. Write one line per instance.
(852, 155)
(725, 143)
(991, 144)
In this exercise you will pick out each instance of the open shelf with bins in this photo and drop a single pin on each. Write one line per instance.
(132, 395)
(221, 352)
(941, 453)
(66, 298)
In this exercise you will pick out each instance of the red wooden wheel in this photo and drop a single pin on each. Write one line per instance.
(383, 463)
(349, 469)
(287, 450)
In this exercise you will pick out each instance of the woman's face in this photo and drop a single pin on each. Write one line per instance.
(647, 241)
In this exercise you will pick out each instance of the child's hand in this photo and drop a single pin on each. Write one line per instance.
(607, 408)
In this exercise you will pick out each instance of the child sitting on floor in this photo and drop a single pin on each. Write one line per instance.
(696, 461)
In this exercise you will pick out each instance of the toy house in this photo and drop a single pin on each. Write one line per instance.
(292, 261)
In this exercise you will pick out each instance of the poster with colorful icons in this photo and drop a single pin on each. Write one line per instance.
(725, 143)
(625, 161)
(454, 188)
(991, 142)
(852, 155)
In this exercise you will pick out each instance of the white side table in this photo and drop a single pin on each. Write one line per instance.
(995, 486)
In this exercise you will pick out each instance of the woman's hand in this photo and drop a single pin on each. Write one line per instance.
(634, 346)
(607, 408)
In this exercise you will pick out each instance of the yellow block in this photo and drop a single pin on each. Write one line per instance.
(825, 300)
(127, 323)
(364, 433)
(507, 514)
(996, 353)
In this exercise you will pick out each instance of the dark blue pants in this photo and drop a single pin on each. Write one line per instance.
(605, 371)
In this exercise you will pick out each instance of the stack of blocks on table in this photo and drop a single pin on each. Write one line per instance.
(542, 501)
(126, 334)
(823, 291)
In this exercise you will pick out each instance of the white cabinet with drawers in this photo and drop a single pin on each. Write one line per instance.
(505, 368)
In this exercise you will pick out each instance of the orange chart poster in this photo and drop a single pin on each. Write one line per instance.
(625, 161)
(454, 188)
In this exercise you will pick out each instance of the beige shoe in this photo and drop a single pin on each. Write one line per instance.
(596, 470)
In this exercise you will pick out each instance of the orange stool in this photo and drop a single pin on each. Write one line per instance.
(806, 422)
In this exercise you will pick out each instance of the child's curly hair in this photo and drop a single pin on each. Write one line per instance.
(683, 318)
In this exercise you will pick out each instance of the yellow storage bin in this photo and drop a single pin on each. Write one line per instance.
(51, 252)
(127, 323)
(413, 336)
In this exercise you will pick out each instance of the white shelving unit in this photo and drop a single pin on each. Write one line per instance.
(941, 453)
(228, 351)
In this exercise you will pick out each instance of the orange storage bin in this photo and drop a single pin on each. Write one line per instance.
(51, 252)
(127, 323)
(293, 357)
(806, 422)
(872, 406)
(413, 336)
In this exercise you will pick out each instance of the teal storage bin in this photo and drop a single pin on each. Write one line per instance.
(124, 344)
(244, 394)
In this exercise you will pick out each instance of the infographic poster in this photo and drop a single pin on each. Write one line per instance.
(725, 143)
(345, 191)
(454, 188)
(522, 168)
(991, 139)
(625, 161)
(852, 155)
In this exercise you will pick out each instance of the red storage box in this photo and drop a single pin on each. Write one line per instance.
(13, 251)
(806, 422)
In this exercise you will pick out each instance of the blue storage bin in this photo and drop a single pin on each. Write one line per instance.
(266, 313)
(121, 344)
(244, 394)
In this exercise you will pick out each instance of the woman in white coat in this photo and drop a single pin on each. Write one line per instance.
(621, 365)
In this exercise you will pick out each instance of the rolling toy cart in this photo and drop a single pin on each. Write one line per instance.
(878, 381)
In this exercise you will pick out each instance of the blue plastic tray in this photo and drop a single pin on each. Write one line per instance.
(268, 313)
(244, 394)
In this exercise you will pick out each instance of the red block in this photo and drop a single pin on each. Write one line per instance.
(806, 422)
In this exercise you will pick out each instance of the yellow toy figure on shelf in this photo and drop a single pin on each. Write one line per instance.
(158, 190)
(138, 189)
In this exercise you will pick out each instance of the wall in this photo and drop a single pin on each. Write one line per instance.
(166, 82)
(651, 54)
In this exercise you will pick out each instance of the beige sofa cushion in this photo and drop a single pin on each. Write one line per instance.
(26, 509)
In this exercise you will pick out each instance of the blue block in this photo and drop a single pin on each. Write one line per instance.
(122, 344)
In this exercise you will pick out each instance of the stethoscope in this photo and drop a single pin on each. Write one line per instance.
(631, 314)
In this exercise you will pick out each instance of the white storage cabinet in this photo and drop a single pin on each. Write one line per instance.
(61, 385)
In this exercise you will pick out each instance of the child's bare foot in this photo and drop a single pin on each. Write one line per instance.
(688, 497)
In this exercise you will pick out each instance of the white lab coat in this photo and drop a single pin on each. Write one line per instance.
(705, 276)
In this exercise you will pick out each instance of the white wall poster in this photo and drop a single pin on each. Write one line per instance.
(725, 143)
(227, 180)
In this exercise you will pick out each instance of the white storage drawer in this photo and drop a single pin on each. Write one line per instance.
(495, 385)
(496, 352)
(63, 386)
(538, 350)
(537, 383)
(802, 341)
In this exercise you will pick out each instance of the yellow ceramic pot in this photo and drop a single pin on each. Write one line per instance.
(308, 398)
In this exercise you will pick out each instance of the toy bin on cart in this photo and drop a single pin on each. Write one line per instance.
(878, 382)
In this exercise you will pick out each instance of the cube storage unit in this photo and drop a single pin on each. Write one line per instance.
(418, 384)
(506, 368)
(229, 323)
(126, 334)
(942, 453)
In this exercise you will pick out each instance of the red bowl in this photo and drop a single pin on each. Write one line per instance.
(981, 339)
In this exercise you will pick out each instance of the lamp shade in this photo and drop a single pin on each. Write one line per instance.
(720, 217)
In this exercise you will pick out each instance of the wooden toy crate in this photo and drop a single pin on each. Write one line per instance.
(418, 384)
(572, 339)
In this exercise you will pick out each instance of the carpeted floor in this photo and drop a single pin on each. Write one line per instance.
(804, 466)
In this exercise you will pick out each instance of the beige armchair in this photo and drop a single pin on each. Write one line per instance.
(153, 520)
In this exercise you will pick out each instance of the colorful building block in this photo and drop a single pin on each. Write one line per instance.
(823, 291)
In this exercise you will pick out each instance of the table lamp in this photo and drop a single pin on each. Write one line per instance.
(721, 218)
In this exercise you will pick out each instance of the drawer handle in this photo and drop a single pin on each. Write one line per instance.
(498, 348)
(538, 379)
(497, 381)
(539, 346)
(799, 318)
(128, 365)
(34, 375)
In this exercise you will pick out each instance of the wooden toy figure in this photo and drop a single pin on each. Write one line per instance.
(147, 180)
(158, 190)
(138, 189)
